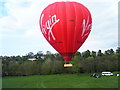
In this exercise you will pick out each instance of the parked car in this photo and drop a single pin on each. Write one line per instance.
(117, 74)
(95, 75)
(107, 74)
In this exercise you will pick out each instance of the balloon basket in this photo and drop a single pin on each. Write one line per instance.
(68, 65)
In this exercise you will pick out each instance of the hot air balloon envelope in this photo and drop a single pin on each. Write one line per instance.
(66, 26)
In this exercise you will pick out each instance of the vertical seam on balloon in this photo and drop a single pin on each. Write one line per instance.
(62, 35)
(61, 29)
(66, 26)
(58, 48)
(74, 27)
(65, 45)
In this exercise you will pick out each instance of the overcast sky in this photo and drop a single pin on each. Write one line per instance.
(20, 32)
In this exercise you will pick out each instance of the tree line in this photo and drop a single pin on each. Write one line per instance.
(44, 64)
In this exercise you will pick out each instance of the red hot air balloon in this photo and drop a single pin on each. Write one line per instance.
(66, 26)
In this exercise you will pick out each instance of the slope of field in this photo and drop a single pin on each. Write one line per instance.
(60, 81)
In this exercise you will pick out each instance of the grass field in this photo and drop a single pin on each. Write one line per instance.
(60, 81)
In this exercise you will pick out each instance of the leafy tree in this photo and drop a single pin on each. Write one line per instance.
(86, 54)
(48, 52)
(12, 68)
(93, 54)
(99, 53)
(111, 52)
(88, 65)
(118, 50)
(39, 53)
(87, 62)
(75, 63)
(30, 54)
(58, 57)
(107, 52)
(24, 58)
(77, 53)
(46, 67)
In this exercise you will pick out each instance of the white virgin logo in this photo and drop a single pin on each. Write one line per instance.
(86, 26)
(49, 25)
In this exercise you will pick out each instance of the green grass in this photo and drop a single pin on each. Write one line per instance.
(60, 81)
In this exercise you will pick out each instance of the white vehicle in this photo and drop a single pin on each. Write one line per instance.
(118, 74)
(107, 74)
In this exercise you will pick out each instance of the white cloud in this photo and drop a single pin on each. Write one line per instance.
(105, 26)
(22, 23)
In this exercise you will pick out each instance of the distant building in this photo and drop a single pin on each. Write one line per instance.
(32, 59)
